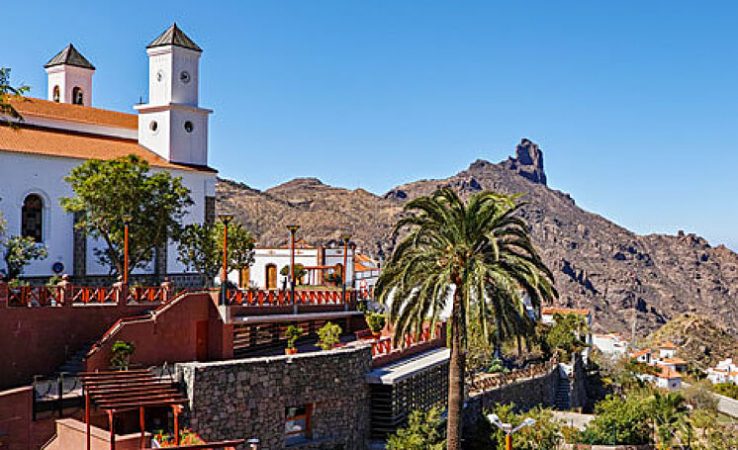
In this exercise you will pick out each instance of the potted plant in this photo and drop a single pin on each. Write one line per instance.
(292, 334)
(329, 335)
(375, 322)
(121, 353)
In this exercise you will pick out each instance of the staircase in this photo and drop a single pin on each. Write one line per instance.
(563, 390)
(75, 363)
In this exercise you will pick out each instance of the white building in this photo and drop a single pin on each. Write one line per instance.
(320, 263)
(169, 132)
(724, 372)
(610, 344)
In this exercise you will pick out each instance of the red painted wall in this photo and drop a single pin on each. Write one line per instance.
(36, 341)
(170, 336)
(15, 418)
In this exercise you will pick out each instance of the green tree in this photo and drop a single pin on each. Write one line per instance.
(544, 434)
(300, 271)
(668, 410)
(619, 421)
(456, 251)
(19, 252)
(8, 95)
(106, 193)
(566, 336)
(201, 248)
(423, 432)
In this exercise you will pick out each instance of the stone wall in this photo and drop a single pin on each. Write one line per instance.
(525, 394)
(248, 398)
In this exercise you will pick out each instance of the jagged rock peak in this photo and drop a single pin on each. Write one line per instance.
(298, 183)
(528, 161)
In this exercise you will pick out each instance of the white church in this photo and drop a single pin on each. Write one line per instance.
(61, 132)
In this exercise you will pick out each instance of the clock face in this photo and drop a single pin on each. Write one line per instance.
(184, 77)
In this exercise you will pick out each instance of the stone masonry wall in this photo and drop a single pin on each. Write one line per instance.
(248, 398)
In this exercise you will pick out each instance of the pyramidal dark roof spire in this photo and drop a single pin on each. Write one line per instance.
(71, 57)
(174, 36)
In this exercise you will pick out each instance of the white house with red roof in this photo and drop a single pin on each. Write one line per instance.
(668, 366)
(60, 132)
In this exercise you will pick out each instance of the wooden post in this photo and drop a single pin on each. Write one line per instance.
(175, 410)
(87, 416)
(111, 421)
(142, 424)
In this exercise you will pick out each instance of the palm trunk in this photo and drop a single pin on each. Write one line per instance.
(456, 375)
(520, 346)
(498, 336)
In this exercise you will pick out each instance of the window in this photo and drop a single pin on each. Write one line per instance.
(297, 423)
(32, 218)
(78, 97)
(56, 94)
(188, 126)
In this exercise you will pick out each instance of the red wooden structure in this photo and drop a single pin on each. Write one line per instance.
(119, 391)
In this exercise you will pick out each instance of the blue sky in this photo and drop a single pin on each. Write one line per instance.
(634, 103)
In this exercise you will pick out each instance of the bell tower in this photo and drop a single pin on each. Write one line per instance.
(70, 77)
(172, 124)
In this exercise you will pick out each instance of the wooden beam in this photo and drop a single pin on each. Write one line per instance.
(111, 421)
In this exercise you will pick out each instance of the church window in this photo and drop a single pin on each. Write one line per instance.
(32, 218)
(189, 127)
(78, 97)
(56, 94)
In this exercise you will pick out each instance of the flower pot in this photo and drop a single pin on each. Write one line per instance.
(290, 351)
(376, 334)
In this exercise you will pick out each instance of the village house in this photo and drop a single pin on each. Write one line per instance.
(725, 371)
(610, 344)
(60, 132)
(668, 366)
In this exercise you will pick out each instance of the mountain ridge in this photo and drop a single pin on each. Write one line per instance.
(598, 264)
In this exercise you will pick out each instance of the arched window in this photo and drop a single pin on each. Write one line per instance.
(56, 94)
(78, 98)
(32, 218)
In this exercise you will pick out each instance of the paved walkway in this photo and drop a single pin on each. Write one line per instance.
(573, 419)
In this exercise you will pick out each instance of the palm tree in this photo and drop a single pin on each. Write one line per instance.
(8, 113)
(456, 251)
(669, 412)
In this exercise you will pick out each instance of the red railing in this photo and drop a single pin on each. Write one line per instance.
(43, 296)
(34, 296)
(383, 347)
(284, 298)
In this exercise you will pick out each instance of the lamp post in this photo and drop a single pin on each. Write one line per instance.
(126, 222)
(253, 444)
(293, 230)
(508, 429)
(226, 219)
(346, 239)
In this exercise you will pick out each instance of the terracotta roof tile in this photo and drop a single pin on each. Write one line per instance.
(564, 311)
(35, 107)
(60, 143)
(668, 345)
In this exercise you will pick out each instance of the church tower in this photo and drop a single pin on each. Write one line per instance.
(172, 124)
(70, 77)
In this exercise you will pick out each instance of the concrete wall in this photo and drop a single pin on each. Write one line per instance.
(72, 434)
(248, 398)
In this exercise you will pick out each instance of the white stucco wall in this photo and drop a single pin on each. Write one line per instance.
(24, 174)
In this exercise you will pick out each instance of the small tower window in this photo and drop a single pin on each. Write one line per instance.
(78, 97)
(32, 217)
(56, 94)
(189, 127)
(153, 126)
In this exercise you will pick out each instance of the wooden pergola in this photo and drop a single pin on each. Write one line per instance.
(120, 391)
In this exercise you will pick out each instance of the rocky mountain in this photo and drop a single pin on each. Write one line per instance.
(598, 264)
(698, 339)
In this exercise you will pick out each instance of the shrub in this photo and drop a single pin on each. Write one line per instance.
(544, 434)
(121, 354)
(619, 421)
(423, 432)
(727, 389)
(375, 321)
(292, 334)
(329, 335)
